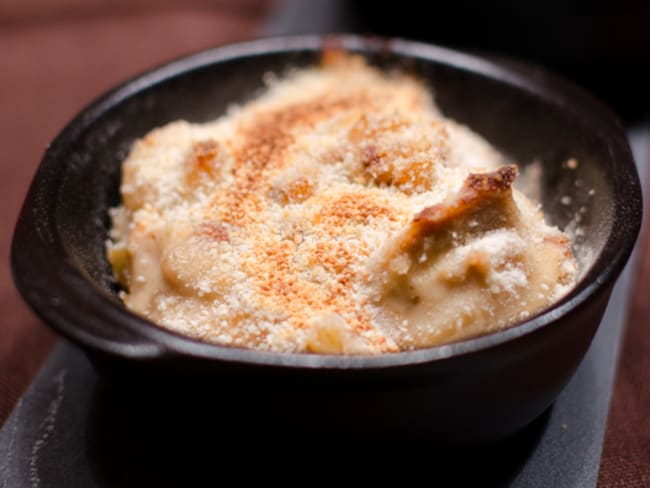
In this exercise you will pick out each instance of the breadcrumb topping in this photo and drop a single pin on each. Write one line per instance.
(339, 212)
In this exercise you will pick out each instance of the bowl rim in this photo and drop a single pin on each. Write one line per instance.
(63, 297)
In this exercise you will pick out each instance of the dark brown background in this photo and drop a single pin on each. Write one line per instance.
(56, 56)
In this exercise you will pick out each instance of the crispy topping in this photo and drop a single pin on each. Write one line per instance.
(202, 160)
(477, 192)
(338, 213)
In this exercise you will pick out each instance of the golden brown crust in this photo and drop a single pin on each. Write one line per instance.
(262, 147)
(202, 162)
(471, 264)
(497, 182)
(213, 230)
(478, 191)
(271, 227)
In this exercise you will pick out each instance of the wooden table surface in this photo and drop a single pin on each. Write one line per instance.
(57, 56)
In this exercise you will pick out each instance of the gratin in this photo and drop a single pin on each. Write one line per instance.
(339, 212)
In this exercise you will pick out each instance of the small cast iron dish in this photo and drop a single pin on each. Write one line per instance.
(471, 391)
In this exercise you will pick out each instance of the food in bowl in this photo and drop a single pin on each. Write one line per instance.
(340, 213)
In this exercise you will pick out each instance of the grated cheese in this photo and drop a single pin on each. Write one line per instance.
(288, 224)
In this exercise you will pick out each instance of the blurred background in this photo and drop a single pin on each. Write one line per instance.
(58, 55)
(602, 45)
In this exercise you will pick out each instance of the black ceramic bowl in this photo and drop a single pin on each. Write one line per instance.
(474, 390)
